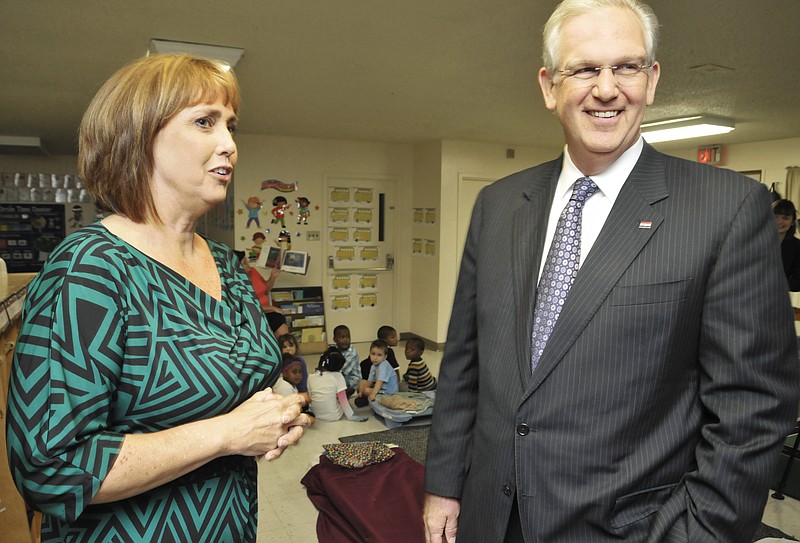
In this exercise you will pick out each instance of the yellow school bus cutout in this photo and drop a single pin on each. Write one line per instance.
(345, 253)
(368, 281)
(340, 282)
(368, 300)
(362, 214)
(340, 194)
(338, 234)
(339, 214)
(362, 234)
(369, 253)
(363, 196)
(340, 302)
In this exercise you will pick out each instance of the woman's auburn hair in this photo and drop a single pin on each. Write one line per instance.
(115, 140)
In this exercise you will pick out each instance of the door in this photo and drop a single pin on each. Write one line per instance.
(360, 233)
(468, 189)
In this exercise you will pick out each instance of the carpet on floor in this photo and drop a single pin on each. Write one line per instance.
(414, 440)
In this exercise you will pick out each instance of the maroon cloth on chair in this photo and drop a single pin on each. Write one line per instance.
(380, 503)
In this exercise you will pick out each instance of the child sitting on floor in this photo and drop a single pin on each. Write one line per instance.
(328, 389)
(288, 344)
(389, 335)
(350, 371)
(291, 375)
(382, 377)
(418, 378)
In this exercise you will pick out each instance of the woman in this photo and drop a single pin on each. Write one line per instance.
(139, 397)
(786, 216)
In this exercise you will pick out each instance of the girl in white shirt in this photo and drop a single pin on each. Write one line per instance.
(328, 389)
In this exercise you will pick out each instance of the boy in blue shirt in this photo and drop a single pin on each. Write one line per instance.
(382, 377)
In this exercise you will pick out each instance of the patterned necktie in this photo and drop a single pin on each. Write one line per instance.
(560, 268)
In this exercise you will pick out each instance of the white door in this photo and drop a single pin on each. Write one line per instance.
(468, 189)
(360, 233)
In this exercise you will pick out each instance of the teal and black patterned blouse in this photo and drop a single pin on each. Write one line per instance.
(113, 343)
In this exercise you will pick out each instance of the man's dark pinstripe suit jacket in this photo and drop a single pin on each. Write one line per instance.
(659, 404)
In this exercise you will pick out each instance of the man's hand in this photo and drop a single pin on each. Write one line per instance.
(441, 518)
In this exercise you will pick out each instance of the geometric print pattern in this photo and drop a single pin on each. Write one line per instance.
(560, 268)
(112, 343)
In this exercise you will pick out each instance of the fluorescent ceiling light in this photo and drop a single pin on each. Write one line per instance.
(227, 55)
(22, 145)
(685, 128)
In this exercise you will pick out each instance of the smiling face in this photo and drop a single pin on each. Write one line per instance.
(193, 157)
(342, 339)
(784, 223)
(601, 120)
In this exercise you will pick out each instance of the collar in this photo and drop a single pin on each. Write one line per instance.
(609, 181)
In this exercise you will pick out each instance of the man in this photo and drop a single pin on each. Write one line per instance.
(653, 409)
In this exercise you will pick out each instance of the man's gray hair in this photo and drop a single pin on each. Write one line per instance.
(572, 8)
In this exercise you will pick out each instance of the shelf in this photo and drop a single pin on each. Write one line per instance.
(304, 309)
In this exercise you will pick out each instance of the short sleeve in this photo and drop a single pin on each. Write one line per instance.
(385, 372)
(67, 360)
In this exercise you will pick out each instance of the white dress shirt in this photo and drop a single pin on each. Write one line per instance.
(598, 206)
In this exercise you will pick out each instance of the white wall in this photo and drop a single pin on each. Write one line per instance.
(428, 175)
(307, 162)
(771, 157)
(483, 160)
(425, 269)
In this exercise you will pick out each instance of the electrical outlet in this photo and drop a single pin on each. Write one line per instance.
(312, 235)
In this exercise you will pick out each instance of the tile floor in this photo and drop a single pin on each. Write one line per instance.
(287, 515)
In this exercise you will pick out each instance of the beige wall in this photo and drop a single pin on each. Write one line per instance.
(307, 162)
(471, 159)
(427, 176)
(425, 286)
(771, 157)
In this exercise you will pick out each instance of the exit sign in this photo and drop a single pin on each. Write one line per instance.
(711, 154)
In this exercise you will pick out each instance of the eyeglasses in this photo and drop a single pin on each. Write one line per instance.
(625, 74)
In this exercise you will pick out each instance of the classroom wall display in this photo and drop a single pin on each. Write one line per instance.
(416, 246)
(369, 254)
(368, 281)
(280, 186)
(362, 214)
(362, 234)
(338, 214)
(340, 282)
(430, 247)
(430, 215)
(419, 215)
(354, 224)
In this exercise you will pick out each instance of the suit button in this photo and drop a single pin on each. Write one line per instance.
(507, 490)
(523, 429)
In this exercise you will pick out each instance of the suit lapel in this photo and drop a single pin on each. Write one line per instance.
(529, 227)
(630, 225)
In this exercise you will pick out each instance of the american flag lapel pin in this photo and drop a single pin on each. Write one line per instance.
(645, 225)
